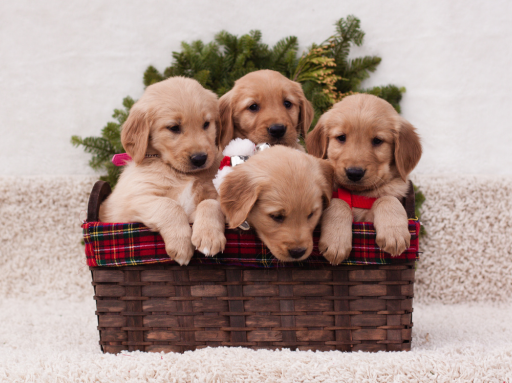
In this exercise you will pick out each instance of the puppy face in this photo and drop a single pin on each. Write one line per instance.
(366, 140)
(265, 106)
(281, 192)
(177, 119)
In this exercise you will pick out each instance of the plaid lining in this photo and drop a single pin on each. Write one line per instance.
(131, 244)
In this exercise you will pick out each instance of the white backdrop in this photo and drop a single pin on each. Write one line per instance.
(65, 65)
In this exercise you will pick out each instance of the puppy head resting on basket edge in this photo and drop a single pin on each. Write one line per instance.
(281, 192)
(265, 106)
(371, 148)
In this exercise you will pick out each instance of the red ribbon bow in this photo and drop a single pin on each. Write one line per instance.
(226, 161)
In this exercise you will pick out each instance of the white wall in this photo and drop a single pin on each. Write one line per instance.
(65, 65)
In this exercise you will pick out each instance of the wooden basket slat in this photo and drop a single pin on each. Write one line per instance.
(174, 309)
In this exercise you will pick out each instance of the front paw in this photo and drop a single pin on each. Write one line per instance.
(393, 239)
(336, 248)
(179, 247)
(208, 240)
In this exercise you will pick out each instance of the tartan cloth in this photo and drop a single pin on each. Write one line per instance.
(130, 244)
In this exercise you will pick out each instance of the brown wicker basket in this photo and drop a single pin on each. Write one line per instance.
(168, 308)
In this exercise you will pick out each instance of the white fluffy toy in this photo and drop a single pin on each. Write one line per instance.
(235, 153)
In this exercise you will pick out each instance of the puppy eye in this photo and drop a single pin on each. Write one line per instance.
(287, 104)
(277, 217)
(206, 125)
(254, 107)
(377, 141)
(342, 138)
(174, 129)
(311, 215)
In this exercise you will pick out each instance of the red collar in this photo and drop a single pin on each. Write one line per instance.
(354, 200)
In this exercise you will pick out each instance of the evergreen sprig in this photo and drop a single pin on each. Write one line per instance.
(104, 147)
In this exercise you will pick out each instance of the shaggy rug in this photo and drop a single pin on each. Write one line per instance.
(461, 317)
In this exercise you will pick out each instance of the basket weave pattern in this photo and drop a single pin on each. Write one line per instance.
(172, 308)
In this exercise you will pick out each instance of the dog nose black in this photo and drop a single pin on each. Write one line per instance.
(198, 159)
(277, 130)
(297, 253)
(355, 174)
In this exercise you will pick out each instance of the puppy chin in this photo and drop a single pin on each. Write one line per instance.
(285, 141)
(360, 185)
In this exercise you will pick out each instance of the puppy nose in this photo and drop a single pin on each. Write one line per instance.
(355, 174)
(277, 130)
(198, 159)
(297, 252)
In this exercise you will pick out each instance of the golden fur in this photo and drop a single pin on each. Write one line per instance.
(348, 135)
(281, 192)
(169, 192)
(271, 92)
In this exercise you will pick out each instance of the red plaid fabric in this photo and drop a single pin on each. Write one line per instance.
(130, 244)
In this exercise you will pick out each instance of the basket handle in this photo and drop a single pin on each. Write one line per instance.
(99, 193)
(409, 202)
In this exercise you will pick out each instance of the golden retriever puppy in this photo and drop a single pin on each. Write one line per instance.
(265, 106)
(281, 193)
(172, 134)
(372, 150)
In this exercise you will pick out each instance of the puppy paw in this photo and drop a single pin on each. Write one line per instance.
(336, 248)
(179, 247)
(208, 240)
(393, 239)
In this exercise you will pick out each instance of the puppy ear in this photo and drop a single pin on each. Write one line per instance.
(135, 134)
(407, 149)
(317, 141)
(306, 114)
(238, 194)
(328, 181)
(225, 128)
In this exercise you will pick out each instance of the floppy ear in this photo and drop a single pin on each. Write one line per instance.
(306, 115)
(225, 128)
(135, 134)
(328, 181)
(317, 140)
(407, 149)
(238, 194)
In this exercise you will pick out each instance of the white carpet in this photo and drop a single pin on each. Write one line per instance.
(467, 254)
(462, 310)
(56, 341)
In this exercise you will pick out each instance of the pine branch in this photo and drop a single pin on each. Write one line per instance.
(93, 145)
(128, 103)
(112, 133)
(283, 53)
(151, 76)
(390, 93)
(358, 70)
(202, 77)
